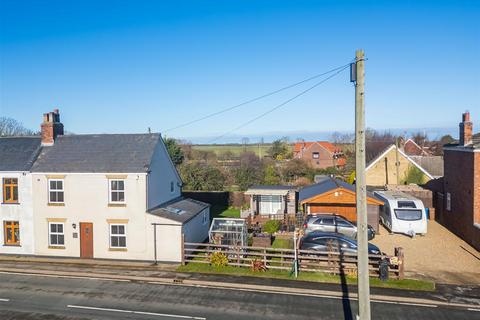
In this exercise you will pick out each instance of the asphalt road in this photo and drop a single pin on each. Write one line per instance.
(38, 297)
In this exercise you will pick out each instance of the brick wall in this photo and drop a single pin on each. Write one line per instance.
(325, 157)
(462, 182)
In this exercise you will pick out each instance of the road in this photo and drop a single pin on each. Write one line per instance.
(54, 298)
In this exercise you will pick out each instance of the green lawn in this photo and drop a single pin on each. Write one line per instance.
(282, 243)
(218, 211)
(235, 149)
(407, 284)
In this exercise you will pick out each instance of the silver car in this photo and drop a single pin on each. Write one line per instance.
(333, 223)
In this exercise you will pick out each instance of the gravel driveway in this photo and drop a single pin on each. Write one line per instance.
(440, 255)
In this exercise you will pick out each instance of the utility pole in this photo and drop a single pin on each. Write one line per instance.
(361, 189)
(397, 161)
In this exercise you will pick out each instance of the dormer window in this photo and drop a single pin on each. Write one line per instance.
(117, 191)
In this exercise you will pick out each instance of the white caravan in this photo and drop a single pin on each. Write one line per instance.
(402, 213)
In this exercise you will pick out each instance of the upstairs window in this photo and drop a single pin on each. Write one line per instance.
(172, 187)
(55, 191)
(11, 231)
(10, 190)
(315, 155)
(117, 191)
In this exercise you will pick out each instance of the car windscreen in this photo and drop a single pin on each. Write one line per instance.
(408, 214)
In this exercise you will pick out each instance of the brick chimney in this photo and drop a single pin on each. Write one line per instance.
(51, 127)
(466, 130)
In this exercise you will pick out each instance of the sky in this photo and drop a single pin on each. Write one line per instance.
(126, 66)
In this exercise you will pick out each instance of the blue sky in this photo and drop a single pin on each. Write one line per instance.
(124, 66)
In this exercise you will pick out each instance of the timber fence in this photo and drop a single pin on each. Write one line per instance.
(283, 259)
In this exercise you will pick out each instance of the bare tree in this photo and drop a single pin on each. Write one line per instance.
(420, 138)
(342, 138)
(11, 127)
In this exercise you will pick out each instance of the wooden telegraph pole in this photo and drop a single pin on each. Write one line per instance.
(361, 189)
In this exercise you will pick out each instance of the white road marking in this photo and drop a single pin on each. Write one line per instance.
(136, 312)
(61, 276)
(225, 288)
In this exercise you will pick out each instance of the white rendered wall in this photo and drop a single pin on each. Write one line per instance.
(162, 173)
(86, 200)
(21, 212)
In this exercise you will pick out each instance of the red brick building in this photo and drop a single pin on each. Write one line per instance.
(459, 203)
(411, 148)
(320, 154)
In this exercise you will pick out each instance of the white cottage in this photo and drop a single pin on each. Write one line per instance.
(16, 209)
(93, 194)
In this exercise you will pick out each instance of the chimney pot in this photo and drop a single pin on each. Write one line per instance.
(466, 130)
(51, 127)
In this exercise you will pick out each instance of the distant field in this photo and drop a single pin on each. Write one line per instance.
(236, 149)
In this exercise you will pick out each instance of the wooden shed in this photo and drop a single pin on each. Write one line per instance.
(338, 197)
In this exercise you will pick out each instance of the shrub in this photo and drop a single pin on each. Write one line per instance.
(272, 226)
(218, 259)
(258, 266)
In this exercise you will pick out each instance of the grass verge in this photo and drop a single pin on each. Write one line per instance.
(218, 211)
(405, 284)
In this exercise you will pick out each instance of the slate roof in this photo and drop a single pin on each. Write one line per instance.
(180, 209)
(270, 190)
(326, 186)
(98, 153)
(18, 153)
(474, 145)
(277, 187)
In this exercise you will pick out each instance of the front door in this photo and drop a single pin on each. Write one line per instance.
(86, 240)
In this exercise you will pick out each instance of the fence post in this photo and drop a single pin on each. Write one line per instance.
(238, 256)
(183, 249)
(401, 262)
(265, 257)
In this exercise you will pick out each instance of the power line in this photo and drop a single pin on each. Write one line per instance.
(280, 105)
(255, 99)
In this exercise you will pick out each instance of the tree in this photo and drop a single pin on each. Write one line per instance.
(420, 138)
(338, 137)
(11, 127)
(376, 142)
(271, 176)
(280, 150)
(247, 176)
(446, 139)
(201, 177)
(174, 150)
(296, 168)
(414, 175)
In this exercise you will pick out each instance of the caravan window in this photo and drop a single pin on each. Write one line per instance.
(406, 204)
(408, 215)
